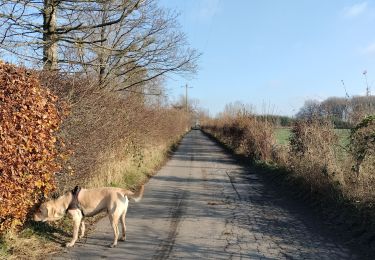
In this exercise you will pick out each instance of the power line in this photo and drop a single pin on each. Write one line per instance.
(346, 92)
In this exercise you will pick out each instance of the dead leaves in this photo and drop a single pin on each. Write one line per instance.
(28, 122)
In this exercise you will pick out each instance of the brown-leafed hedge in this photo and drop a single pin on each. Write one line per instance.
(29, 119)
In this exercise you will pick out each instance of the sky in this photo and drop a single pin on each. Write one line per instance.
(275, 54)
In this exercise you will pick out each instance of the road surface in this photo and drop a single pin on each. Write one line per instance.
(204, 205)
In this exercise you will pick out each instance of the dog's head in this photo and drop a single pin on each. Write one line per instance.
(48, 211)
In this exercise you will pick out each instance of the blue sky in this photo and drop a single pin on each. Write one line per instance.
(275, 54)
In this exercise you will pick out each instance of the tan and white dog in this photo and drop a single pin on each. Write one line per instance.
(89, 202)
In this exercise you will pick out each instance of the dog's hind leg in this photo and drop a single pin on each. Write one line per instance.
(114, 222)
(123, 238)
(77, 217)
(83, 228)
(123, 216)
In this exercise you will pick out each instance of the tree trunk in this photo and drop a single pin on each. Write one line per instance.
(50, 35)
(102, 58)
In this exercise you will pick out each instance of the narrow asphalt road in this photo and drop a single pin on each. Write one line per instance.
(203, 205)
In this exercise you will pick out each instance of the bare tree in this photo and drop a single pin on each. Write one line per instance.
(310, 110)
(342, 111)
(35, 30)
(237, 108)
(126, 42)
(334, 107)
(140, 48)
(360, 107)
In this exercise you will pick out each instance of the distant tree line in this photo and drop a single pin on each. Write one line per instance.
(239, 109)
(344, 112)
(279, 121)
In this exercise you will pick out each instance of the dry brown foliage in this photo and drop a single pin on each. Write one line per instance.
(104, 125)
(313, 154)
(104, 133)
(361, 180)
(29, 120)
(101, 126)
(245, 134)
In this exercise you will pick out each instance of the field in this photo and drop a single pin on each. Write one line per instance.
(283, 134)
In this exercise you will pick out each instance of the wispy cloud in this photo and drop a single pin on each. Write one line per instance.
(207, 9)
(355, 10)
(369, 49)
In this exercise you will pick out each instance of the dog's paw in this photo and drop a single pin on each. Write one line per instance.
(112, 245)
(123, 238)
(69, 244)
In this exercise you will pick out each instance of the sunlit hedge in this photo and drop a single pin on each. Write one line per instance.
(28, 122)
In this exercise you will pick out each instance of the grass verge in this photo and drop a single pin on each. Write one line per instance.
(35, 241)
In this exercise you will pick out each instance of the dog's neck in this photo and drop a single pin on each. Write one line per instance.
(67, 198)
(64, 202)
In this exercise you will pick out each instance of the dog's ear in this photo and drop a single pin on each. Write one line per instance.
(76, 189)
(40, 198)
(55, 195)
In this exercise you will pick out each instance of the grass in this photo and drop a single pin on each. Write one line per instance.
(35, 241)
(130, 172)
(283, 134)
(344, 135)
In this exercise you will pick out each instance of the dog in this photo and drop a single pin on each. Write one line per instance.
(80, 203)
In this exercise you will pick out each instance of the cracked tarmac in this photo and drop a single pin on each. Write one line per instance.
(204, 205)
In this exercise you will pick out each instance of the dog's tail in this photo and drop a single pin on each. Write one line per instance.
(136, 196)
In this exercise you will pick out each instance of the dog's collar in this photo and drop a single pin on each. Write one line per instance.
(74, 203)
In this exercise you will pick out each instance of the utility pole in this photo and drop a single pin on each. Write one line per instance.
(367, 86)
(368, 94)
(186, 97)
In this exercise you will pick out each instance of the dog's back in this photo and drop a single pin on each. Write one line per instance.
(95, 200)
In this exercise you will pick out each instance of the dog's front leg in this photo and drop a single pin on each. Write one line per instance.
(77, 217)
(82, 229)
